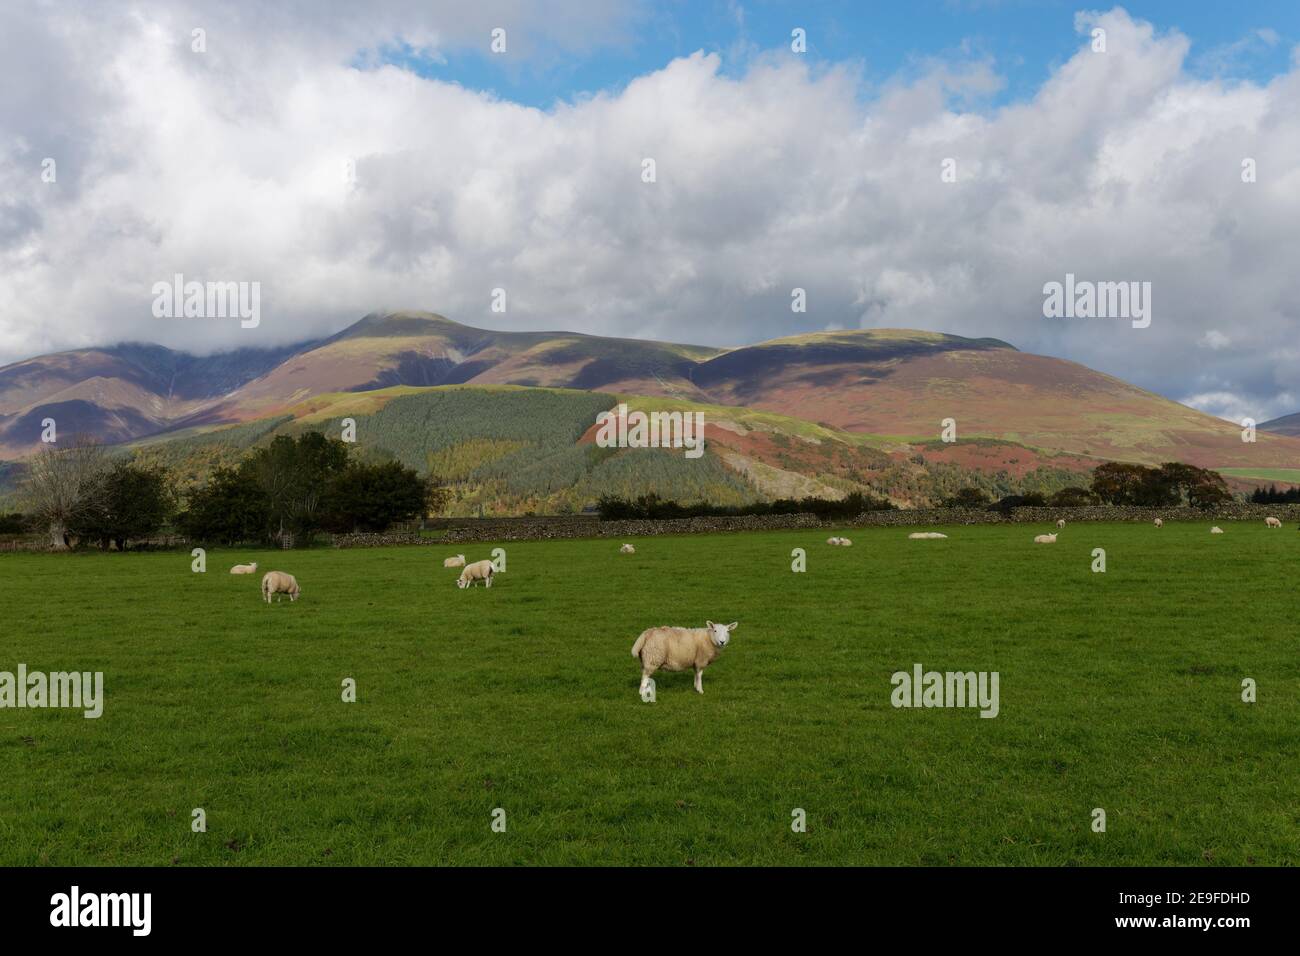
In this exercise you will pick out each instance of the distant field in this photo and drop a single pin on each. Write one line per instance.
(1119, 690)
(1265, 474)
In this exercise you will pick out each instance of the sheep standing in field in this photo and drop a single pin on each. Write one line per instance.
(455, 561)
(677, 648)
(1216, 530)
(1160, 522)
(627, 549)
(244, 568)
(478, 571)
(1060, 523)
(1272, 523)
(1045, 539)
(277, 582)
(922, 535)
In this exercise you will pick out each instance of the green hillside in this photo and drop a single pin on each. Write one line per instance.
(510, 449)
(192, 457)
(1291, 475)
(502, 449)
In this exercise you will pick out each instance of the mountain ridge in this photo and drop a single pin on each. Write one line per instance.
(897, 382)
(1283, 425)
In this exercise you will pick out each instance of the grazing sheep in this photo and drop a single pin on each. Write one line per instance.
(1045, 539)
(244, 568)
(1160, 522)
(1272, 523)
(919, 535)
(677, 648)
(277, 582)
(1060, 523)
(1216, 530)
(627, 549)
(455, 561)
(478, 571)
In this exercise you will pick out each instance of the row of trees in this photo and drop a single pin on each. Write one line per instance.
(299, 486)
(1168, 485)
(1072, 497)
(612, 508)
(292, 486)
(1271, 496)
(1116, 483)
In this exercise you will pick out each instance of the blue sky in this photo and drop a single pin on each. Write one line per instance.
(1024, 39)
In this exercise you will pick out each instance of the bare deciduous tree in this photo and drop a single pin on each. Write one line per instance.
(61, 485)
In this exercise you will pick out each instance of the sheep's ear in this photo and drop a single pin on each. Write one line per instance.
(732, 625)
(709, 625)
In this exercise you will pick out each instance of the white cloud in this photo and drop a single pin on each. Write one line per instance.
(228, 165)
(1236, 408)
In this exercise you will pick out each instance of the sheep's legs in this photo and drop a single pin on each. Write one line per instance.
(645, 682)
(699, 680)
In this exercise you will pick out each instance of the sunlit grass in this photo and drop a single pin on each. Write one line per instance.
(1119, 690)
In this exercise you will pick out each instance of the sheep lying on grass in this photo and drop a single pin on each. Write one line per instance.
(1045, 539)
(834, 540)
(455, 561)
(1160, 522)
(1216, 530)
(244, 568)
(478, 571)
(277, 582)
(1272, 523)
(627, 549)
(677, 648)
(921, 535)
(842, 542)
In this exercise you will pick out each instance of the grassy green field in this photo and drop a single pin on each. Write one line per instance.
(1119, 690)
(1291, 475)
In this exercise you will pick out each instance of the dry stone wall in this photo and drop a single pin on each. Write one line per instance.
(551, 528)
